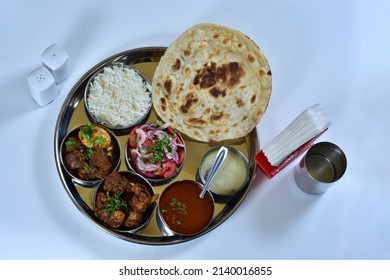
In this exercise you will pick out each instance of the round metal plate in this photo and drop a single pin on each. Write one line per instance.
(73, 114)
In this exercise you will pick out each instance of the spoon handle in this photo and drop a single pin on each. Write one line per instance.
(217, 163)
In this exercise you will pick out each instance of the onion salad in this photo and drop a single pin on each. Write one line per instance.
(156, 150)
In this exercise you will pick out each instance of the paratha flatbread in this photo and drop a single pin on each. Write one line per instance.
(212, 84)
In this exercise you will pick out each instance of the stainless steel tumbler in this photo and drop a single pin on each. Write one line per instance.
(323, 164)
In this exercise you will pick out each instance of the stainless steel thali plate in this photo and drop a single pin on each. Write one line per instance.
(73, 114)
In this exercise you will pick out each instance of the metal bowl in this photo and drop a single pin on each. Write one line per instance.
(132, 177)
(115, 153)
(155, 181)
(179, 208)
(117, 129)
(231, 178)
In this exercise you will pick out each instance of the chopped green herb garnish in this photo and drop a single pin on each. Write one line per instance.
(87, 132)
(114, 203)
(100, 140)
(88, 154)
(70, 144)
(159, 149)
(86, 167)
(178, 206)
(173, 201)
(159, 123)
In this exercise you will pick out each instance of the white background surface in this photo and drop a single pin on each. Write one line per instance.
(336, 53)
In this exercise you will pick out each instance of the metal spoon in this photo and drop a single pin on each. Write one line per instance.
(217, 163)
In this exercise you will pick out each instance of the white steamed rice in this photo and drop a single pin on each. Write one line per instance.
(118, 97)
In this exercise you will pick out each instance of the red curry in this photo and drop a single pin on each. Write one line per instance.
(182, 209)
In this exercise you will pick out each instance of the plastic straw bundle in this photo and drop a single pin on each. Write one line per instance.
(307, 125)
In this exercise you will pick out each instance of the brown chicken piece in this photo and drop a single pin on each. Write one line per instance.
(100, 163)
(86, 163)
(142, 198)
(72, 144)
(136, 195)
(115, 220)
(74, 160)
(115, 182)
(133, 219)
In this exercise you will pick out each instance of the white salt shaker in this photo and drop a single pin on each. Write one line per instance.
(42, 86)
(56, 60)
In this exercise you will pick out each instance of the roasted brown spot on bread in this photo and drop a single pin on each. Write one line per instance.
(234, 72)
(232, 81)
(212, 132)
(197, 121)
(253, 98)
(206, 76)
(190, 99)
(228, 74)
(261, 72)
(239, 103)
(176, 66)
(251, 58)
(235, 69)
(215, 92)
(216, 116)
(187, 52)
(184, 109)
(168, 86)
(216, 36)
(163, 104)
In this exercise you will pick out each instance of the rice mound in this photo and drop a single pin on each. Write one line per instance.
(118, 97)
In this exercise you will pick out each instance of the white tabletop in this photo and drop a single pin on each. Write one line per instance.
(336, 53)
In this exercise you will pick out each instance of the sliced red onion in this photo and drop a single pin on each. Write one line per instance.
(148, 155)
(134, 153)
(176, 158)
(141, 136)
(160, 134)
(174, 144)
(142, 154)
(146, 166)
(147, 126)
(167, 153)
(172, 155)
